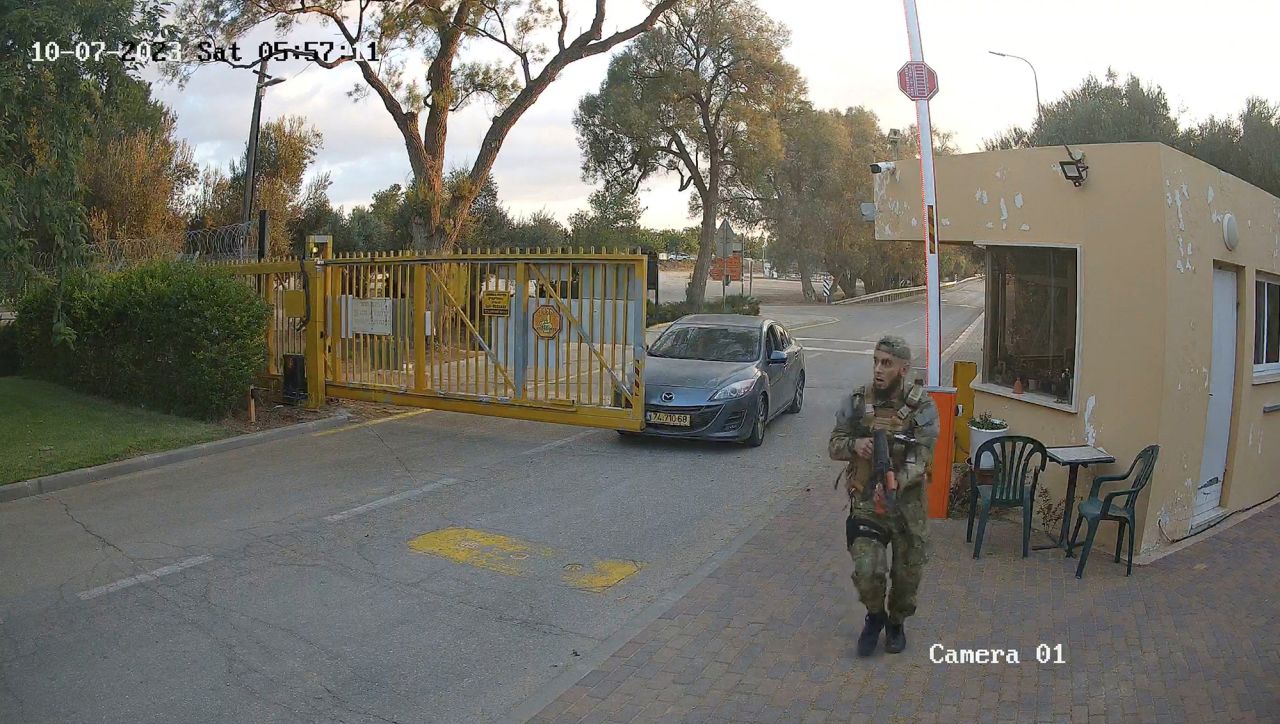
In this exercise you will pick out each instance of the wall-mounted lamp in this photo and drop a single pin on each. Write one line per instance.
(1074, 170)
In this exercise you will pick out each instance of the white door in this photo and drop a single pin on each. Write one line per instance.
(1222, 380)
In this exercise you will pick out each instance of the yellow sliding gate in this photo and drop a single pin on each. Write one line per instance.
(548, 336)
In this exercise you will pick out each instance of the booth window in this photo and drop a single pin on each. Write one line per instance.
(1266, 325)
(1031, 325)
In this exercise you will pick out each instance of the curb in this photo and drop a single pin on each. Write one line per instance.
(98, 473)
(905, 293)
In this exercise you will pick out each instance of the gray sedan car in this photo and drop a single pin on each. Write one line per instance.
(721, 377)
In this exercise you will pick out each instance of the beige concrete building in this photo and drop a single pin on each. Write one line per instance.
(1142, 306)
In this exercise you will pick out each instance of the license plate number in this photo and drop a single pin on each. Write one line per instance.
(667, 418)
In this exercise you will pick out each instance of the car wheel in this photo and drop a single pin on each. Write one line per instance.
(762, 420)
(798, 402)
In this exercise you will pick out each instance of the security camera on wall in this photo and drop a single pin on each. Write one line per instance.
(882, 167)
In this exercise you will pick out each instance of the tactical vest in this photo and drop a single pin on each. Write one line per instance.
(884, 417)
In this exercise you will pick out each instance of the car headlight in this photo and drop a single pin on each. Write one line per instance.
(734, 391)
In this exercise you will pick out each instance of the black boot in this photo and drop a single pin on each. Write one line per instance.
(870, 635)
(895, 638)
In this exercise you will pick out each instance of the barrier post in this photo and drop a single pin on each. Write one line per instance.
(963, 375)
(944, 398)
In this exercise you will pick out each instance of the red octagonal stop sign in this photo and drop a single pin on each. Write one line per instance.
(918, 81)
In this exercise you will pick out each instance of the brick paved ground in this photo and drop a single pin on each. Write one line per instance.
(769, 635)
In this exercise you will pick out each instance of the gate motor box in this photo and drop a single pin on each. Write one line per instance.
(295, 378)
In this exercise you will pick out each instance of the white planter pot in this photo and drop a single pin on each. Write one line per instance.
(976, 440)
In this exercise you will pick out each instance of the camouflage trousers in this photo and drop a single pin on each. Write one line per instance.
(871, 569)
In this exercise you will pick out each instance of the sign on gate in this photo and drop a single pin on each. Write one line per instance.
(546, 321)
(370, 316)
(496, 304)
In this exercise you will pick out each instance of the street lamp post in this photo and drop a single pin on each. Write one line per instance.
(1034, 77)
(261, 85)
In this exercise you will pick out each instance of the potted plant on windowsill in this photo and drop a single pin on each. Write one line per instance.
(982, 428)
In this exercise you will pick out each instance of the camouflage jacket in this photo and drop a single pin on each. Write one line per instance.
(908, 410)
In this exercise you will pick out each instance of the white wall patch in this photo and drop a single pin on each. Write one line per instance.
(1026, 227)
(946, 221)
(1017, 200)
(991, 225)
(1211, 194)
(1090, 433)
(1004, 210)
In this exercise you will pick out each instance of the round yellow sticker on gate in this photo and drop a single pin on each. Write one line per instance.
(546, 321)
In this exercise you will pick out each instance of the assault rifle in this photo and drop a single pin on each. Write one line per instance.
(884, 482)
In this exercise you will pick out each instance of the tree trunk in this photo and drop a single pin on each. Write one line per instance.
(696, 292)
(806, 284)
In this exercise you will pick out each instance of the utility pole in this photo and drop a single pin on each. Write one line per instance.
(1034, 77)
(247, 208)
(933, 338)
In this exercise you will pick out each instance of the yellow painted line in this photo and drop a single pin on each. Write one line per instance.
(479, 548)
(515, 557)
(602, 576)
(369, 423)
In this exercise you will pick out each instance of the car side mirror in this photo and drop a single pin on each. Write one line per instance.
(777, 357)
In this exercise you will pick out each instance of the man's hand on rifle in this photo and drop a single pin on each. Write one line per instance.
(864, 447)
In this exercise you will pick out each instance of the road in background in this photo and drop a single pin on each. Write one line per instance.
(432, 567)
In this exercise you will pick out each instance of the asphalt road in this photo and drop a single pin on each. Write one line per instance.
(436, 567)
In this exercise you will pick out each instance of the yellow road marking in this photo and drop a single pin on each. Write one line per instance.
(368, 423)
(602, 576)
(479, 548)
(514, 557)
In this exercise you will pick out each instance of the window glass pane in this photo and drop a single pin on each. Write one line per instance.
(1259, 321)
(1273, 323)
(1033, 319)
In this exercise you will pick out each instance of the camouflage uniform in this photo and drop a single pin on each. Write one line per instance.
(859, 416)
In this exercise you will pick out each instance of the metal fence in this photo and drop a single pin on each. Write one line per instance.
(550, 336)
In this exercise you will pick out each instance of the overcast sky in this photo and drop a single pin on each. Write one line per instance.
(1208, 57)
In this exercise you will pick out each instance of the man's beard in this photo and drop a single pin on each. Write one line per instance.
(890, 390)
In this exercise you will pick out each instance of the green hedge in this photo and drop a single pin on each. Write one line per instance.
(735, 304)
(176, 337)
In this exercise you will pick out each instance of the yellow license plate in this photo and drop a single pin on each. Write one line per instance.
(668, 418)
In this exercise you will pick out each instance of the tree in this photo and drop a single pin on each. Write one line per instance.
(611, 220)
(1247, 147)
(445, 33)
(486, 222)
(135, 172)
(695, 97)
(46, 122)
(286, 148)
(1098, 112)
(538, 230)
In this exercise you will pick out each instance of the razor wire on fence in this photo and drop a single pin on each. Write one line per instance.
(223, 243)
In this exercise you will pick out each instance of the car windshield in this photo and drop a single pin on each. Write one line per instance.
(713, 344)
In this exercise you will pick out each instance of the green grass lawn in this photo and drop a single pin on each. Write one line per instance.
(47, 429)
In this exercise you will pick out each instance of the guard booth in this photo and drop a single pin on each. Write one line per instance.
(550, 336)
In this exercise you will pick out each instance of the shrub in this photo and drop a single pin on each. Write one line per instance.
(986, 422)
(8, 350)
(735, 304)
(177, 337)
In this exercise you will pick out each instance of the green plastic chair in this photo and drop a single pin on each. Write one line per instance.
(1013, 483)
(1094, 510)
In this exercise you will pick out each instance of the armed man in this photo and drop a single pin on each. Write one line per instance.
(898, 424)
